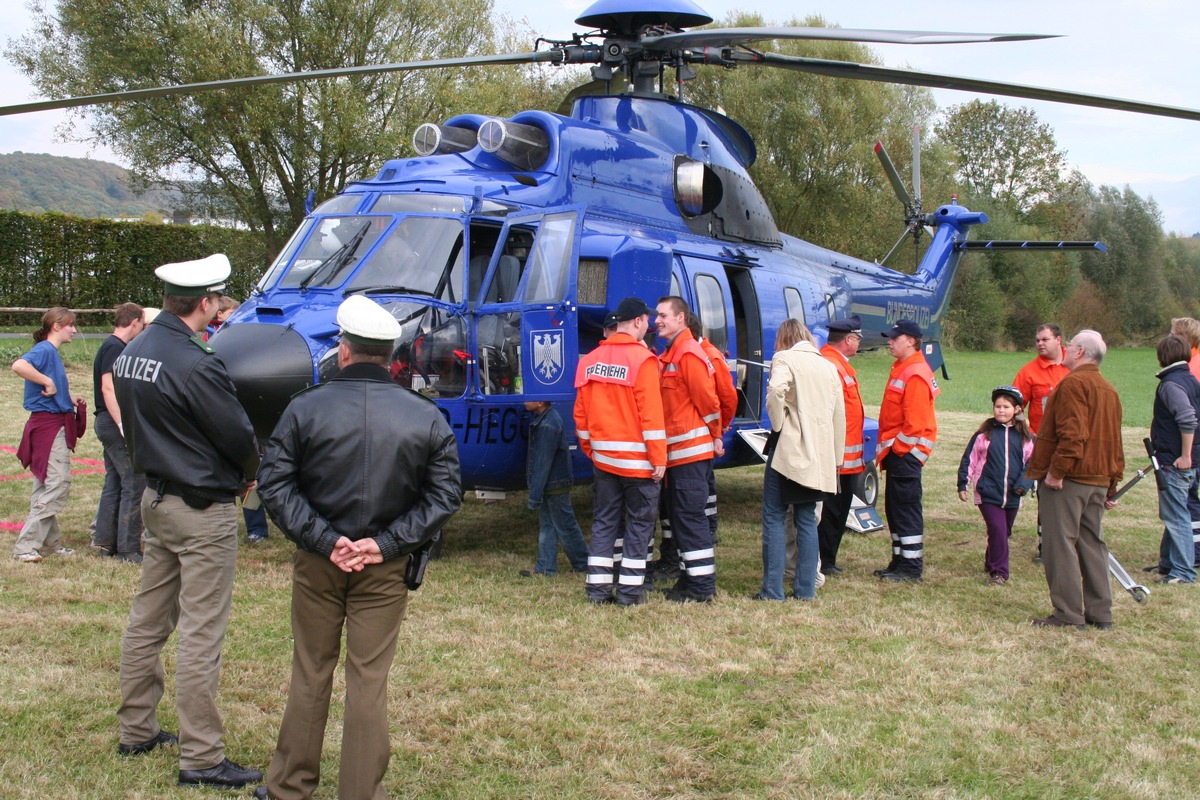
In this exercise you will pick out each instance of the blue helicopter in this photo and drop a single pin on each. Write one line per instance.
(502, 244)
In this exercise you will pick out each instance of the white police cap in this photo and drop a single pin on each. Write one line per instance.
(365, 321)
(196, 278)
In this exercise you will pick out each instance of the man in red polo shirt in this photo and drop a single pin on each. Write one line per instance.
(1037, 380)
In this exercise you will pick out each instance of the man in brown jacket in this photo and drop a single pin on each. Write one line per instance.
(1079, 459)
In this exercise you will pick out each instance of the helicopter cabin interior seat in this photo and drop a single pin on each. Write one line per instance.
(500, 334)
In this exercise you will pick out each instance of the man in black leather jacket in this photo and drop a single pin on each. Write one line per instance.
(359, 473)
(187, 432)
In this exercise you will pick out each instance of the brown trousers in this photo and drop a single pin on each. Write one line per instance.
(370, 604)
(1074, 553)
(189, 564)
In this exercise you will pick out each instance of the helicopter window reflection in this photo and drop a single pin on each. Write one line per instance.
(342, 204)
(424, 202)
(335, 246)
(710, 302)
(285, 255)
(549, 261)
(413, 258)
(794, 303)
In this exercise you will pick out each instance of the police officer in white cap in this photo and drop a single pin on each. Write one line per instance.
(361, 474)
(187, 433)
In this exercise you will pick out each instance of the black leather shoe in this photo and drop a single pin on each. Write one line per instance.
(227, 773)
(601, 601)
(160, 739)
(261, 793)
(879, 573)
(1100, 626)
(832, 569)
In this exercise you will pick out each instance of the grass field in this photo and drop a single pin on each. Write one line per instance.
(506, 687)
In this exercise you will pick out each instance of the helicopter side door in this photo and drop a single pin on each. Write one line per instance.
(526, 331)
(524, 336)
(723, 297)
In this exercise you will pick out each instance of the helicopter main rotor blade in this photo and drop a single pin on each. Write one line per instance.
(916, 164)
(553, 56)
(729, 37)
(897, 185)
(865, 72)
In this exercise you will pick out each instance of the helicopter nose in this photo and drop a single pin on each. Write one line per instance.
(268, 364)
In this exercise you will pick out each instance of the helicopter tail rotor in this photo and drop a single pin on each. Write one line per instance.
(915, 223)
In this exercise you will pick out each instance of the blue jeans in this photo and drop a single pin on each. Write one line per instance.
(256, 522)
(774, 513)
(119, 517)
(557, 522)
(1173, 487)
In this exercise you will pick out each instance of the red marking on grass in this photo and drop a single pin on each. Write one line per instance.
(97, 466)
(5, 525)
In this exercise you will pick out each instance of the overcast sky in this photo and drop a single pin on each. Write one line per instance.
(1109, 48)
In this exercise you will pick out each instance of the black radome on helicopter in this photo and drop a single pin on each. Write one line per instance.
(502, 244)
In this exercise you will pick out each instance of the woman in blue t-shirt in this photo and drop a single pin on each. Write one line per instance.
(49, 435)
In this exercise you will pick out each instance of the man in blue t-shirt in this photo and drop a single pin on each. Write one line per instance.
(119, 518)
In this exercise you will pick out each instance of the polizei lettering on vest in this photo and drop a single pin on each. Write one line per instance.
(616, 371)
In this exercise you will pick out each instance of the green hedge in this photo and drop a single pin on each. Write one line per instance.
(58, 260)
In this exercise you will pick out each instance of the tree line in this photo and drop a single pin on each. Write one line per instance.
(255, 154)
(55, 259)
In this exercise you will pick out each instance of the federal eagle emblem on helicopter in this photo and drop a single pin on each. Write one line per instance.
(526, 230)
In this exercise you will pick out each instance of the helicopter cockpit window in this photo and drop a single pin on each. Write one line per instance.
(794, 302)
(334, 248)
(416, 257)
(549, 262)
(342, 204)
(506, 279)
(710, 304)
(285, 256)
(424, 202)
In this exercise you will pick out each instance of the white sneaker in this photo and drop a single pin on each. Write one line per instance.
(64, 551)
(28, 558)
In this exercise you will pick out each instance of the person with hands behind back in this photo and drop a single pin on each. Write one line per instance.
(361, 474)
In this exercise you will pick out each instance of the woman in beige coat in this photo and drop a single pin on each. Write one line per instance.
(808, 424)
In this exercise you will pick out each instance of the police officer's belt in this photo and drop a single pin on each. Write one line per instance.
(190, 497)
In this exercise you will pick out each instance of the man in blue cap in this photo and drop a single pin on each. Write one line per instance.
(191, 438)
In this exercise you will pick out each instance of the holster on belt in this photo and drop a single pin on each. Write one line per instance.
(415, 574)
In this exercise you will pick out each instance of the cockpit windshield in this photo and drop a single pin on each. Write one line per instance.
(335, 247)
(412, 255)
(416, 257)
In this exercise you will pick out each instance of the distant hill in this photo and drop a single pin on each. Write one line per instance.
(37, 183)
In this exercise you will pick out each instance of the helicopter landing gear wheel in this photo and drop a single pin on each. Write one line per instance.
(870, 485)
